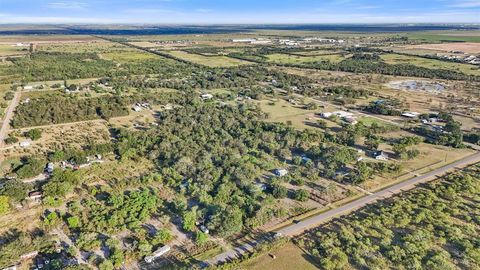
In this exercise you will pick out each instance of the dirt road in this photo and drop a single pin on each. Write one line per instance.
(8, 117)
(300, 227)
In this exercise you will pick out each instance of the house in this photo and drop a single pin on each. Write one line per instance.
(351, 120)
(380, 155)
(24, 144)
(206, 96)
(137, 108)
(280, 172)
(49, 168)
(27, 87)
(341, 114)
(29, 255)
(410, 114)
(159, 252)
(244, 40)
(35, 195)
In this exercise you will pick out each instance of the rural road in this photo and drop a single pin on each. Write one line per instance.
(309, 223)
(8, 117)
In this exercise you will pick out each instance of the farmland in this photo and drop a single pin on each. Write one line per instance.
(121, 145)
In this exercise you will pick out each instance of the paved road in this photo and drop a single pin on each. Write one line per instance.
(296, 229)
(8, 116)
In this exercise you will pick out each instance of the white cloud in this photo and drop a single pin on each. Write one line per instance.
(67, 5)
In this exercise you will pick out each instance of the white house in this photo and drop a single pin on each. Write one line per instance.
(410, 114)
(159, 252)
(206, 96)
(281, 172)
(49, 168)
(380, 155)
(137, 108)
(24, 144)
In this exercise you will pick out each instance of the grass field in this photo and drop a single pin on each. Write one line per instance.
(128, 56)
(210, 61)
(6, 50)
(445, 36)
(284, 112)
(288, 257)
(430, 63)
(291, 59)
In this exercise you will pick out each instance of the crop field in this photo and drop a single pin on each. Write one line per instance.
(430, 63)
(291, 59)
(210, 61)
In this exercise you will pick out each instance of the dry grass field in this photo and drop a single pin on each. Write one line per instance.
(288, 257)
(294, 59)
(467, 47)
(210, 61)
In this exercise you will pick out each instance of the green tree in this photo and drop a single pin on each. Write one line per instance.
(201, 238)
(189, 219)
(16, 190)
(162, 236)
(301, 195)
(279, 191)
(34, 134)
(73, 222)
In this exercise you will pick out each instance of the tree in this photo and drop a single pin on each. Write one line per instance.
(106, 265)
(73, 222)
(15, 190)
(34, 134)
(301, 195)
(201, 238)
(372, 142)
(189, 219)
(279, 191)
(11, 140)
(32, 167)
(162, 236)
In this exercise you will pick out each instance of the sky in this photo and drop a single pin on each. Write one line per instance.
(239, 11)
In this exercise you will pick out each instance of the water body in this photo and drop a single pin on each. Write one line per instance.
(225, 29)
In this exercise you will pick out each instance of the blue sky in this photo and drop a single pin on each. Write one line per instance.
(241, 11)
